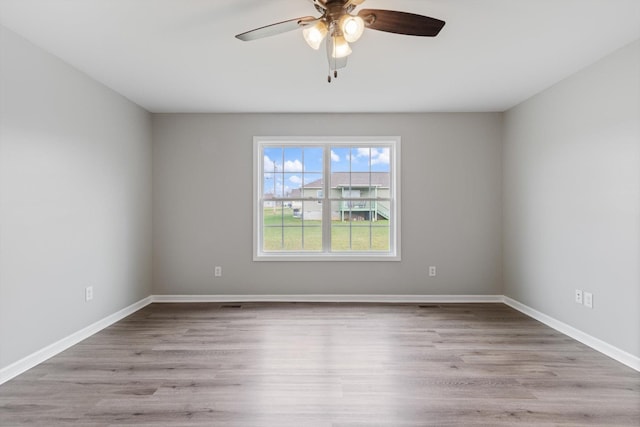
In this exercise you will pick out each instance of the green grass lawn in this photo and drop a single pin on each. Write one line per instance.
(284, 232)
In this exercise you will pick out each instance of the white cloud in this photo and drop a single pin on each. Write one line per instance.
(380, 156)
(363, 152)
(268, 164)
(334, 157)
(376, 155)
(293, 166)
(295, 179)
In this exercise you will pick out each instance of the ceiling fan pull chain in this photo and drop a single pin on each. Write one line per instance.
(329, 60)
(335, 70)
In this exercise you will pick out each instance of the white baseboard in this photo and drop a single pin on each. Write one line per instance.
(331, 298)
(605, 348)
(40, 356)
(49, 351)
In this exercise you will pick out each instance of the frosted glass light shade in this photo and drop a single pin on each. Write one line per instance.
(352, 27)
(314, 34)
(340, 47)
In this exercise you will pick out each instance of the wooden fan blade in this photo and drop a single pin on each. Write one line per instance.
(392, 21)
(280, 27)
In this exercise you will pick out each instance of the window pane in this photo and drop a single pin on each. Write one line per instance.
(279, 185)
(272, 185)
(268, 185)
(380, 236)
(361, 167)
(272, 172)
(340, 159)
(358, 189)
(293, 159)
(338, 182)
(360, 237)
(272, 219)
(380, 158)
(340, 237)
(292, 226)
(272, 159)
(311, 211)
(313, 160)
(360, 159)
(313, 182)
(292, 182)
(359, 226)
(312, 226)
(292, 238)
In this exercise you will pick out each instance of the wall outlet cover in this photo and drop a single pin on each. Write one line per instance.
(88, 293)
(588, 299)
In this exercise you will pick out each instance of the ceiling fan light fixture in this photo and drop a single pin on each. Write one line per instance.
(315, 34)
(340, 47)
(352, 27)
(337, 27)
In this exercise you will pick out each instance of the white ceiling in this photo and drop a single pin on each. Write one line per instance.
(181, 55)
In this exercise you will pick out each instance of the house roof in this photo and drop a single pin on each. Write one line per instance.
(354, 180)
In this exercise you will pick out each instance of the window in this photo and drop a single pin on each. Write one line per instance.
(326, 198)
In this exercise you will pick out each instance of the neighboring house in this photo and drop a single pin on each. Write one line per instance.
(362, 196)
(268, 201)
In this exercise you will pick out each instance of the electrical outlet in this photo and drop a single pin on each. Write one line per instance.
(578, 296)
(88, 293)
(432, 271)
(217, 272)
(588, 299)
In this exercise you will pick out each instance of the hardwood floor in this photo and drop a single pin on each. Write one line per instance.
(302, 364)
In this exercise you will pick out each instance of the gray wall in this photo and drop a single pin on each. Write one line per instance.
(75, 185)
(572, 199)
(75, 202)
(451, 206)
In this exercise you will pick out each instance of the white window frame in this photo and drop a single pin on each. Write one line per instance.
(393, 142)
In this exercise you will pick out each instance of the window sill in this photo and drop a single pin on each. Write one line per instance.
(333, 257)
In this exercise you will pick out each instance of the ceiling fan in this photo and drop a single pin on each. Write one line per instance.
(339, 26)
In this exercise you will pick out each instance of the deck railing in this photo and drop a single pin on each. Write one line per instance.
(376, 207)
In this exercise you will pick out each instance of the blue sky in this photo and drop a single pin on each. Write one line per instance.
(359, 159)
(285, 168)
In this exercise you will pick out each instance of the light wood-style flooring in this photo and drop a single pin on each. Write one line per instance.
(303, 364)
